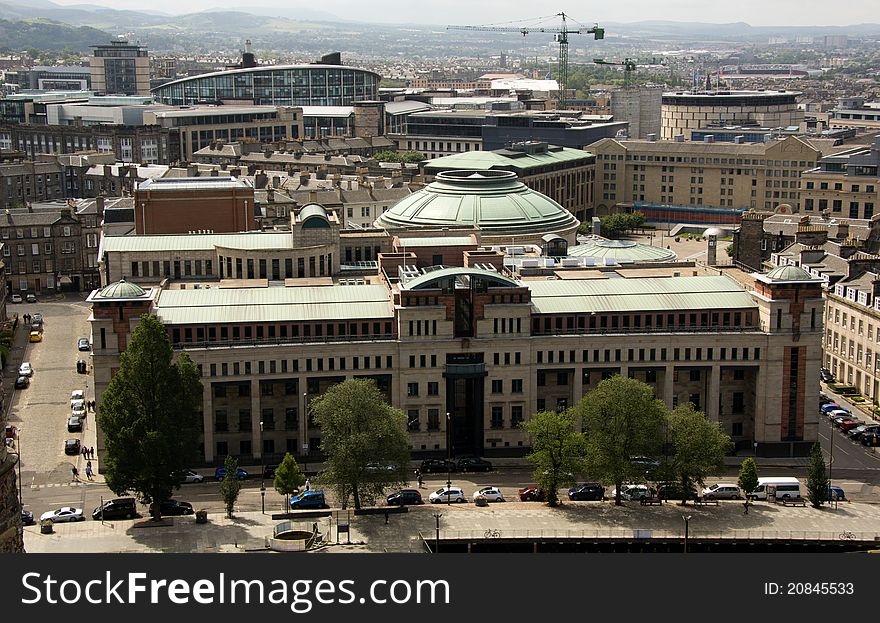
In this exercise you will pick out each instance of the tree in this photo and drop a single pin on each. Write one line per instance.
(817, 477)
(558, 451)
(748, 476)
(288, 478)
(149, 415)
(230, 485)
(621, 420)
(365, 441)
(408, 157)
(699, 446)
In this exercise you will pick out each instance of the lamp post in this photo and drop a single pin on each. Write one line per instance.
(830, 463)
(305, 442)
(448, 459)
(437, 517)
(262, 472)
(687, 521)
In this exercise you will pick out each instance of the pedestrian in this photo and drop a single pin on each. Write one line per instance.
(746, 507)
(386, 518)
(85, 451)
(419, 478)
(89, 470)
(74, 472)
(92, 451)
(308, 485)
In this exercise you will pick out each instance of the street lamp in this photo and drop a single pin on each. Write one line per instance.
(687, 520)
(262, 471)
(448, 459)
(437, 517)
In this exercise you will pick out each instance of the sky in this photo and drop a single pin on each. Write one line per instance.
(754, 12)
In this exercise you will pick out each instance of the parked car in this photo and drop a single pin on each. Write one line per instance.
(856, 433)
(74, 424)
(309, 499)
(22, 382)
(848, 425)
(674, 491)
(37, 318)
(174, 508)
(220, 473)
(118, 508)
(404, 497)
(436, 466)
(77, 395)
(27, 517)
(492, 494)
(83, 344)
(645, 462)
(188, 476)
(79, 409)
(721, 491)
(63, 514)
(16, 298)
(447, 494)
(830, 406)
(871, 439)
(531, 494)
(630, 492)
(36, 336)
(25, 369)
(826, 376)
(587, 492)
(472, 464)
(824, 400)
(835, 494)
(30, 298)
(71, 447)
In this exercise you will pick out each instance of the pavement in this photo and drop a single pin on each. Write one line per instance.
(249, 531)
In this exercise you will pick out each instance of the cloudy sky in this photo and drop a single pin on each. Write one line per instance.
(755, 12)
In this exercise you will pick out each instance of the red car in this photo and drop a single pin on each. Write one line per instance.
(849, 424)
(531, 494)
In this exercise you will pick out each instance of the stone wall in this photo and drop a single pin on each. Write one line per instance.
(11, 534)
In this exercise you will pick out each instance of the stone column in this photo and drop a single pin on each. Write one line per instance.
(208, 422)
(256, 418)
(713, 400)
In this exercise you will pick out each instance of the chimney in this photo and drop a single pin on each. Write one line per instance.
(313, 196)
(276, 181)
(304, 178)
(8, 216)
(108, 170)
(215, 173)
(260, 180)
(99, 205)
(192, 170)
(30, 208)
(270, 196)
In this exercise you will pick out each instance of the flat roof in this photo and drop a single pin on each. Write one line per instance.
(508, 158)
(198, 111)
(651, 294)
(192, 183)
(277, 304)
(448, 241)
(254, 240)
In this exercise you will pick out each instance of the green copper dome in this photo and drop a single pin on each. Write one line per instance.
(622, 251)
(494, 201)
(789, 273)
(122, 289)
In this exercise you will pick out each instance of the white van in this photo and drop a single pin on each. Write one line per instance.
(785, 487)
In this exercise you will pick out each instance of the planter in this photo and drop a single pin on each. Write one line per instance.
(201, 516)
(481, 500)
(46, 526)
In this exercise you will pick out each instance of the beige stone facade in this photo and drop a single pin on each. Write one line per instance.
(683, 112)
(701, 175)
(852, 337)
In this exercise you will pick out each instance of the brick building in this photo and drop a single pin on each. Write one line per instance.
(178, 205)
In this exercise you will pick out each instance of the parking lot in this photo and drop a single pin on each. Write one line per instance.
(41, 410)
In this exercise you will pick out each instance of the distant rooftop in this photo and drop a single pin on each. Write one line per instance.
(192, 183)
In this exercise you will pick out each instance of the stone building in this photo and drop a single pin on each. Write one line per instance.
(845, 184)
(26, 181)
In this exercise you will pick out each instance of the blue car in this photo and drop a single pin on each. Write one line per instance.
(309, 499)
(220, 473)
(831, 406)
(835, 493)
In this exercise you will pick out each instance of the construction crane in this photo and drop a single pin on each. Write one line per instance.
(629, 66)
(560, 36)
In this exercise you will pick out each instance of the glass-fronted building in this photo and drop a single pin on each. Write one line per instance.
(285, 85)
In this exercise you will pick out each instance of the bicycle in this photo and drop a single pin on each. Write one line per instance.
(492, 534)
(847, 536)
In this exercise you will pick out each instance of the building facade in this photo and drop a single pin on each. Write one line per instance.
(684, 111)
(845, 184)
(681, 181)
(178, 205)
(120, 68)
(142, 144)
(26, 181)
(639, 107)
(469, 353)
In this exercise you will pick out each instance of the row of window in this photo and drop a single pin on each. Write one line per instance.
(855, 188)
(280, 332)
(319, 364)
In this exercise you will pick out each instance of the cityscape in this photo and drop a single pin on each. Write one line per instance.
(373, 279)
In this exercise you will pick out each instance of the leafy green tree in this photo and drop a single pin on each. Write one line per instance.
(817, 477)
(365, 441)
(410, 156)
(621, 420)
(699, 446)
(150, 418)
(748, 476)
(558, 451)
(230, 486)
(288, 478)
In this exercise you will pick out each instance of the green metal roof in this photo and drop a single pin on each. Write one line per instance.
(427, 280)
(650, 294)
(197, 242)
(122, 289)
(622, 251)
(521, 163)
(788, 273)
(237, 305)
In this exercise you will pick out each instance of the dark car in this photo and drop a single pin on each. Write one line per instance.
(531, 494)
(835, 494)
(309, 499)
(673, 491)
(173, 507)
(74, 424)
(27, 518)
(871, 439)
(856, 433)
(403, 497)
(120, 508)
(644, 462)
(436, 466)
(474, 465)
(220, 473)
(71, 446)
(22, 382)
(587, 492)
(83, 344)
(826, 376)
(269, 472)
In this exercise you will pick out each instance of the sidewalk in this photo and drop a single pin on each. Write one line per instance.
(248, 531)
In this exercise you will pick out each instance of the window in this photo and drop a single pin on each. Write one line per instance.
(497, 417)
(516, 416)
(433, 419)
(497, 386)
(412, 389)
(433, 388)
(516, 386)
(412, 420)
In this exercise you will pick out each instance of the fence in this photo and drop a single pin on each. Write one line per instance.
(635, 534)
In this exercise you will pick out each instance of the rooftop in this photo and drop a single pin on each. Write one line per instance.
(510, 159)
(192, 183)
(197, 242)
